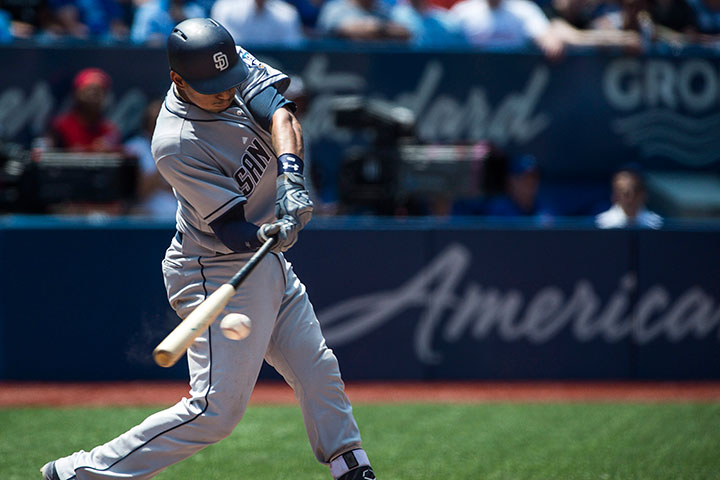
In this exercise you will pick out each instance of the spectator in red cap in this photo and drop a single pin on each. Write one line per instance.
(85, 127)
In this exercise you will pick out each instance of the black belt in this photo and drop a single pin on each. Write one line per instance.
(179, 238)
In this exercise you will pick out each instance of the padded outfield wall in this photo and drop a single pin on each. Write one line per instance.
(396, 299)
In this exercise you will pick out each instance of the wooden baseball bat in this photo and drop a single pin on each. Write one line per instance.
(167, 353)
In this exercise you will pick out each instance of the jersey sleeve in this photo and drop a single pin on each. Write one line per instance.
(260, 77)
(202, 185)
(264, 104)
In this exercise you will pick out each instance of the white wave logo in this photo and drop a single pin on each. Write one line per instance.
(664, 133)
(451, 315)
(659, 88)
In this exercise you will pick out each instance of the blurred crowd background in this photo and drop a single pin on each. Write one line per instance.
(81, 130)
(551, 24)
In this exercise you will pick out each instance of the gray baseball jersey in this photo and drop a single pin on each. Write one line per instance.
(215, 161)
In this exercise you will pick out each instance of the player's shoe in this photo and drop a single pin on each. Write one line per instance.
(50, 473)
(360, 473)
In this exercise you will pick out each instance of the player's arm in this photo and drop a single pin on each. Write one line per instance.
(239, 235)
(205, 187)
(235, 232)
(287, 136)
(275, 113)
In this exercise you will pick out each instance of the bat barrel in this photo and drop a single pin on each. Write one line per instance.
(169, 351)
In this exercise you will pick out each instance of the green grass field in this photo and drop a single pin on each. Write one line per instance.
(418, 441)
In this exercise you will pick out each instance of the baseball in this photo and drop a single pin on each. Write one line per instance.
(235, 326)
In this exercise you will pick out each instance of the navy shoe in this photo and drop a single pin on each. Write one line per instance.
(360, 473)
(49, 473)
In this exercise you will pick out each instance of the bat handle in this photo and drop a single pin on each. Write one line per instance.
(240, 276)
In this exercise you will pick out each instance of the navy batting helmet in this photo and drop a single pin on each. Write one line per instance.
(203, 53)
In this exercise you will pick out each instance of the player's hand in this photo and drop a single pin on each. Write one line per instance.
(292, 197)
(285, 230)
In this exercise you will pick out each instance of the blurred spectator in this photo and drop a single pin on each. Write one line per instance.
(90, 18)
(23, 18)
(6, 35)
(707, 15)
(309, 10)
(359, 20)
(428, 25)
(675, 15)
(444, 4)
(155, 197)
(578, 13)
(84, 127)
(628, 196)
(628, 26)
(632, 16)
(155, 19)
(507, 23)
(669, 21)
(522, 187)
(259, 22)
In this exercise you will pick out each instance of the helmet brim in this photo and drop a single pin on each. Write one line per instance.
(231, 78)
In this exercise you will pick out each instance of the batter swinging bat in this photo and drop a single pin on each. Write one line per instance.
(168, 351)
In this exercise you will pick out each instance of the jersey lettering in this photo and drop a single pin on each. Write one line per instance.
(252, 166)
(257, 151)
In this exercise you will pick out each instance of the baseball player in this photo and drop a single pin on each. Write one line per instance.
(228, 143)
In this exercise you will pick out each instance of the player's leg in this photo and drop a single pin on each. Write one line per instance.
(298, 352)
(223, 373)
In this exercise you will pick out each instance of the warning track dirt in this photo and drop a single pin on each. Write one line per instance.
(23, 394)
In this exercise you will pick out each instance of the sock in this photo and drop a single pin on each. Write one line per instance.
(347, 461)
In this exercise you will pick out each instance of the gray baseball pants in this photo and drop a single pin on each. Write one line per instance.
(223, 372)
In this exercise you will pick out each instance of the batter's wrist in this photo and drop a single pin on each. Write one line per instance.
(290, 163)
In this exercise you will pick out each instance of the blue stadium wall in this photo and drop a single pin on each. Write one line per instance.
(396, 299)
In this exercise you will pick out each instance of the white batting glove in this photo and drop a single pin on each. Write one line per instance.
(285, 230)
(292, 197)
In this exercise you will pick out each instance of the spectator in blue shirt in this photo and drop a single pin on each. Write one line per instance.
(428, 25)
(361, 20)
(521, 197)
(309, 11)
(155, 19)
(90, 18)
(707, 15)
(5, 33)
